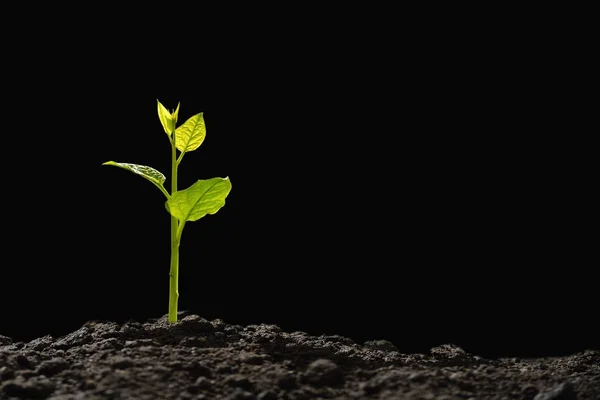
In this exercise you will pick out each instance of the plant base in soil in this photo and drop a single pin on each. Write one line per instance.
(201, 359)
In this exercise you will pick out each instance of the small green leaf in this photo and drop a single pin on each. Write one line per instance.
(166, 119)
(202, 198)
(175, 115)
(191, 134)
(149, 173)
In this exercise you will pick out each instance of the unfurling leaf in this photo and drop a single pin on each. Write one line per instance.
(175, 115)
(166, 118)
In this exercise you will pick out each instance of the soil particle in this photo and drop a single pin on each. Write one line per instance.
(201, 359)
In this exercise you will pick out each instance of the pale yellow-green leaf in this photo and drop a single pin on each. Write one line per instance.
(166, 119)
(191, 134)
(202, 198)
(175, 115)
(149, 173)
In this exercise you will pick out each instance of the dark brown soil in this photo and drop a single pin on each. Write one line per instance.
(201, 359)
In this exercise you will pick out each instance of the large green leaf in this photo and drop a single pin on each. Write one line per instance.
(149, 173)
(191, 134)
(166, 118)
(202, 198)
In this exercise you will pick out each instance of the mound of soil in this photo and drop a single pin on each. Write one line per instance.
(200, 359)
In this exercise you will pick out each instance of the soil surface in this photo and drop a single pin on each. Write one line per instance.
(201, 359)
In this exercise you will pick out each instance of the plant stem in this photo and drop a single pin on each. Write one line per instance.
(174, 272)
(174, 282)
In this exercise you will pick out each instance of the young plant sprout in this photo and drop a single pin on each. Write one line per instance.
(202, 198)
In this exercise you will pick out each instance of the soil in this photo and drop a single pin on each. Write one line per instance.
(201, 359)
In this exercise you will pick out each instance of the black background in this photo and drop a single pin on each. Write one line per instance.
(420, 194)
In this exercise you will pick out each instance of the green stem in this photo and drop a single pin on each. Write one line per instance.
(180, 158)
(163, 190)
(174, 282)
(174, 272)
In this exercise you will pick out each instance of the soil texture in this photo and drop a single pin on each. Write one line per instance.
(201, 359)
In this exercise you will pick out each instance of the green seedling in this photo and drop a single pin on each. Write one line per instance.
(202, 198)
